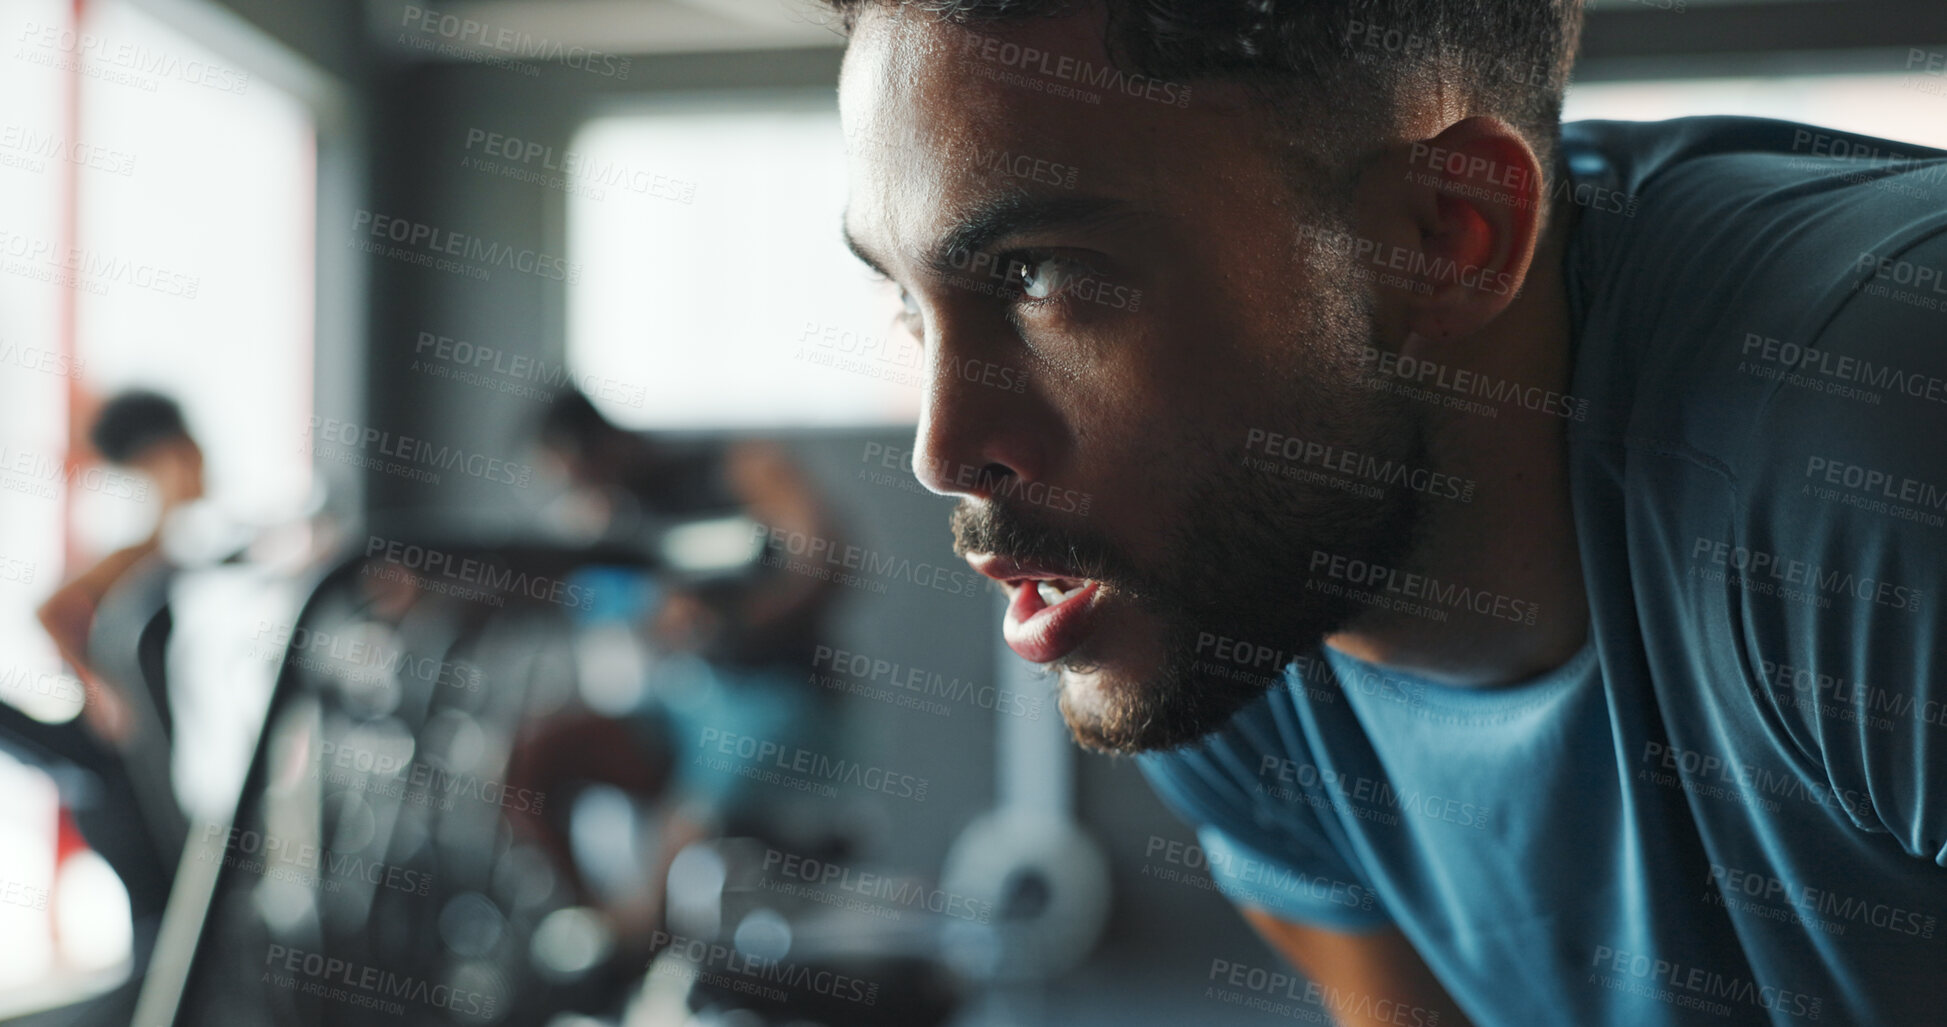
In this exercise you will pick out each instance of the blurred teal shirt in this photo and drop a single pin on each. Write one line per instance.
(1731, 806)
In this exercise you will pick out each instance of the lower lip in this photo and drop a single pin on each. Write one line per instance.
(1043, 633)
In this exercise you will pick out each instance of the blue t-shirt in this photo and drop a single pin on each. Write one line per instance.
(1731, 806)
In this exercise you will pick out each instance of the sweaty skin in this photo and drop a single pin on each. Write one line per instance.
(1245, 322)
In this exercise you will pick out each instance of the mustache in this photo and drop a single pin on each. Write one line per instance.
(987, 527)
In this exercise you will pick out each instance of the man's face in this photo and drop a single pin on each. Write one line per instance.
(1140, 265)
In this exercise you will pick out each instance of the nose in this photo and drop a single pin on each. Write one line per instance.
(982, 431)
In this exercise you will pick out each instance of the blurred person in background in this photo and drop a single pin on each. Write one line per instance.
(111, 624)
(629, 487)
(143, 432)
(728, 648)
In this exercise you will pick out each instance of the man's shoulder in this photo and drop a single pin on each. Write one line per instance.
(1694, 206)
(1777, 392)
(1843, 459)
(1748, 246)
(1635, 157)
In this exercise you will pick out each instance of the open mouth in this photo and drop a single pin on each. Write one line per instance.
(1050, 592)
(1049, 613)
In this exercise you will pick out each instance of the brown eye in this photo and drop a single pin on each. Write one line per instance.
(1039, 278)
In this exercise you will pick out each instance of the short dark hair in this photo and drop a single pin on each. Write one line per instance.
(133, 421)
(1338, 69)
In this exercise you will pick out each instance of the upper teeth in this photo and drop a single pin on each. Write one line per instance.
(1050, 594)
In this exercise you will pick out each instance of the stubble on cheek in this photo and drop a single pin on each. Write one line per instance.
(1107, 690)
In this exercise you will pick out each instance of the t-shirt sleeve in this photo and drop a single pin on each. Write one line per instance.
(1852, 499)
(1267, 855)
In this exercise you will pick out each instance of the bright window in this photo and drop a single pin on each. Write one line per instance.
(716, 290)
(187, 268)
(33, 387)
(206, 251)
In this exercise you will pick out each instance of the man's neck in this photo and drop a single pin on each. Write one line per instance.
(1513, 547)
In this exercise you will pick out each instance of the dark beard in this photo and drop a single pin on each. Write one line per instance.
(1237, 551)
(1236, 570)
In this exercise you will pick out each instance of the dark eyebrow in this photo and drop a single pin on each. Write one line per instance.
(1004, 215)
